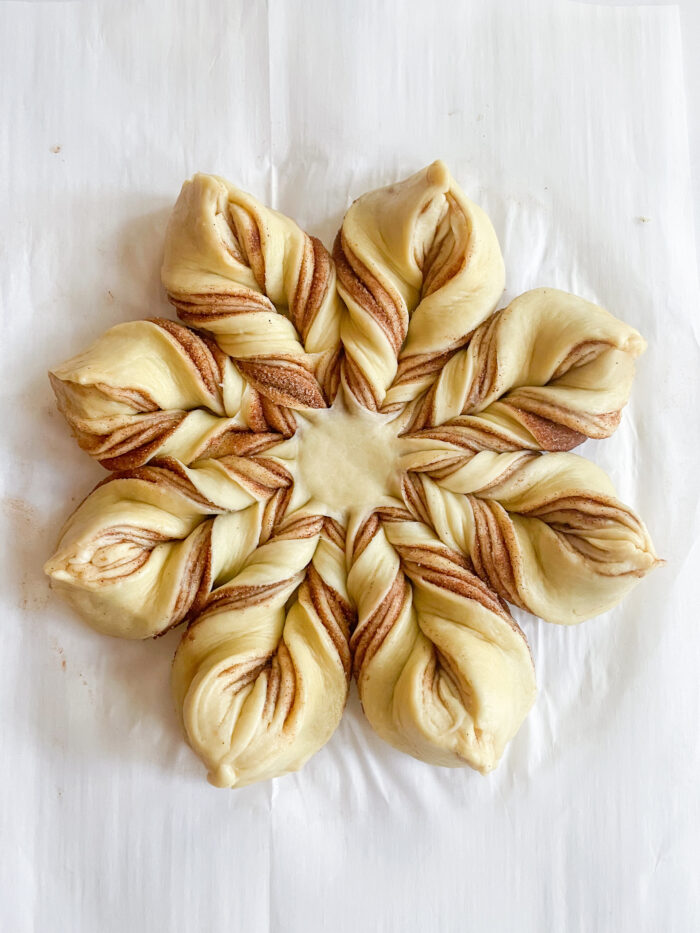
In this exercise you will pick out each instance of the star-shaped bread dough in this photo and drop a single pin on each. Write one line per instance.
(347, 465)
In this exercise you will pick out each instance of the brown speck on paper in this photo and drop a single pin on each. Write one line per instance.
(59, 651)
(34, 595)
(33, 589)
(19, 508)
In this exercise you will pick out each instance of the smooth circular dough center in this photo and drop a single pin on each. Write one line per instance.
(348, 460)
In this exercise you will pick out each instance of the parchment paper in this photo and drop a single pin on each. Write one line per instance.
(567, 123)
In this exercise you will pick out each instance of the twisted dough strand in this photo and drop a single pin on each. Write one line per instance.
(264, 288)
(419, 268)
(443, 671)
(149, 389)
(545, 531)
(144, 549)
(544, 373)
(261, 687)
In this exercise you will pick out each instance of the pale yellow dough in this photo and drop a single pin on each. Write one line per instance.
(419, 269)
(346, 466)
(443, 671)
(261, 684)
(138, 393)
(344, 457)
(544, 372)
(262, 287)
(144, 550)
(545, 531)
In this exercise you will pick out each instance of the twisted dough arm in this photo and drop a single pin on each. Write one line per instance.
(261, 687)
(149, 389)
(443, 671)
(545, 531)
(544, 373)
(259, 284)
(419, 267)
(144, 549)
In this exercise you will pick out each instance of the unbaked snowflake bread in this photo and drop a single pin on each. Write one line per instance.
(333, 473)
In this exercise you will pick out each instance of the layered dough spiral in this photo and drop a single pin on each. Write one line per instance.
(261, 286)
(443, 671)
(149, 389)
(333, 477)
(144, 549)
(261, 685)
(544, 373)
(546, 532)
(419, 268)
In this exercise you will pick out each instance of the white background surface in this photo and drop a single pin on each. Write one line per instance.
(567, 122)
